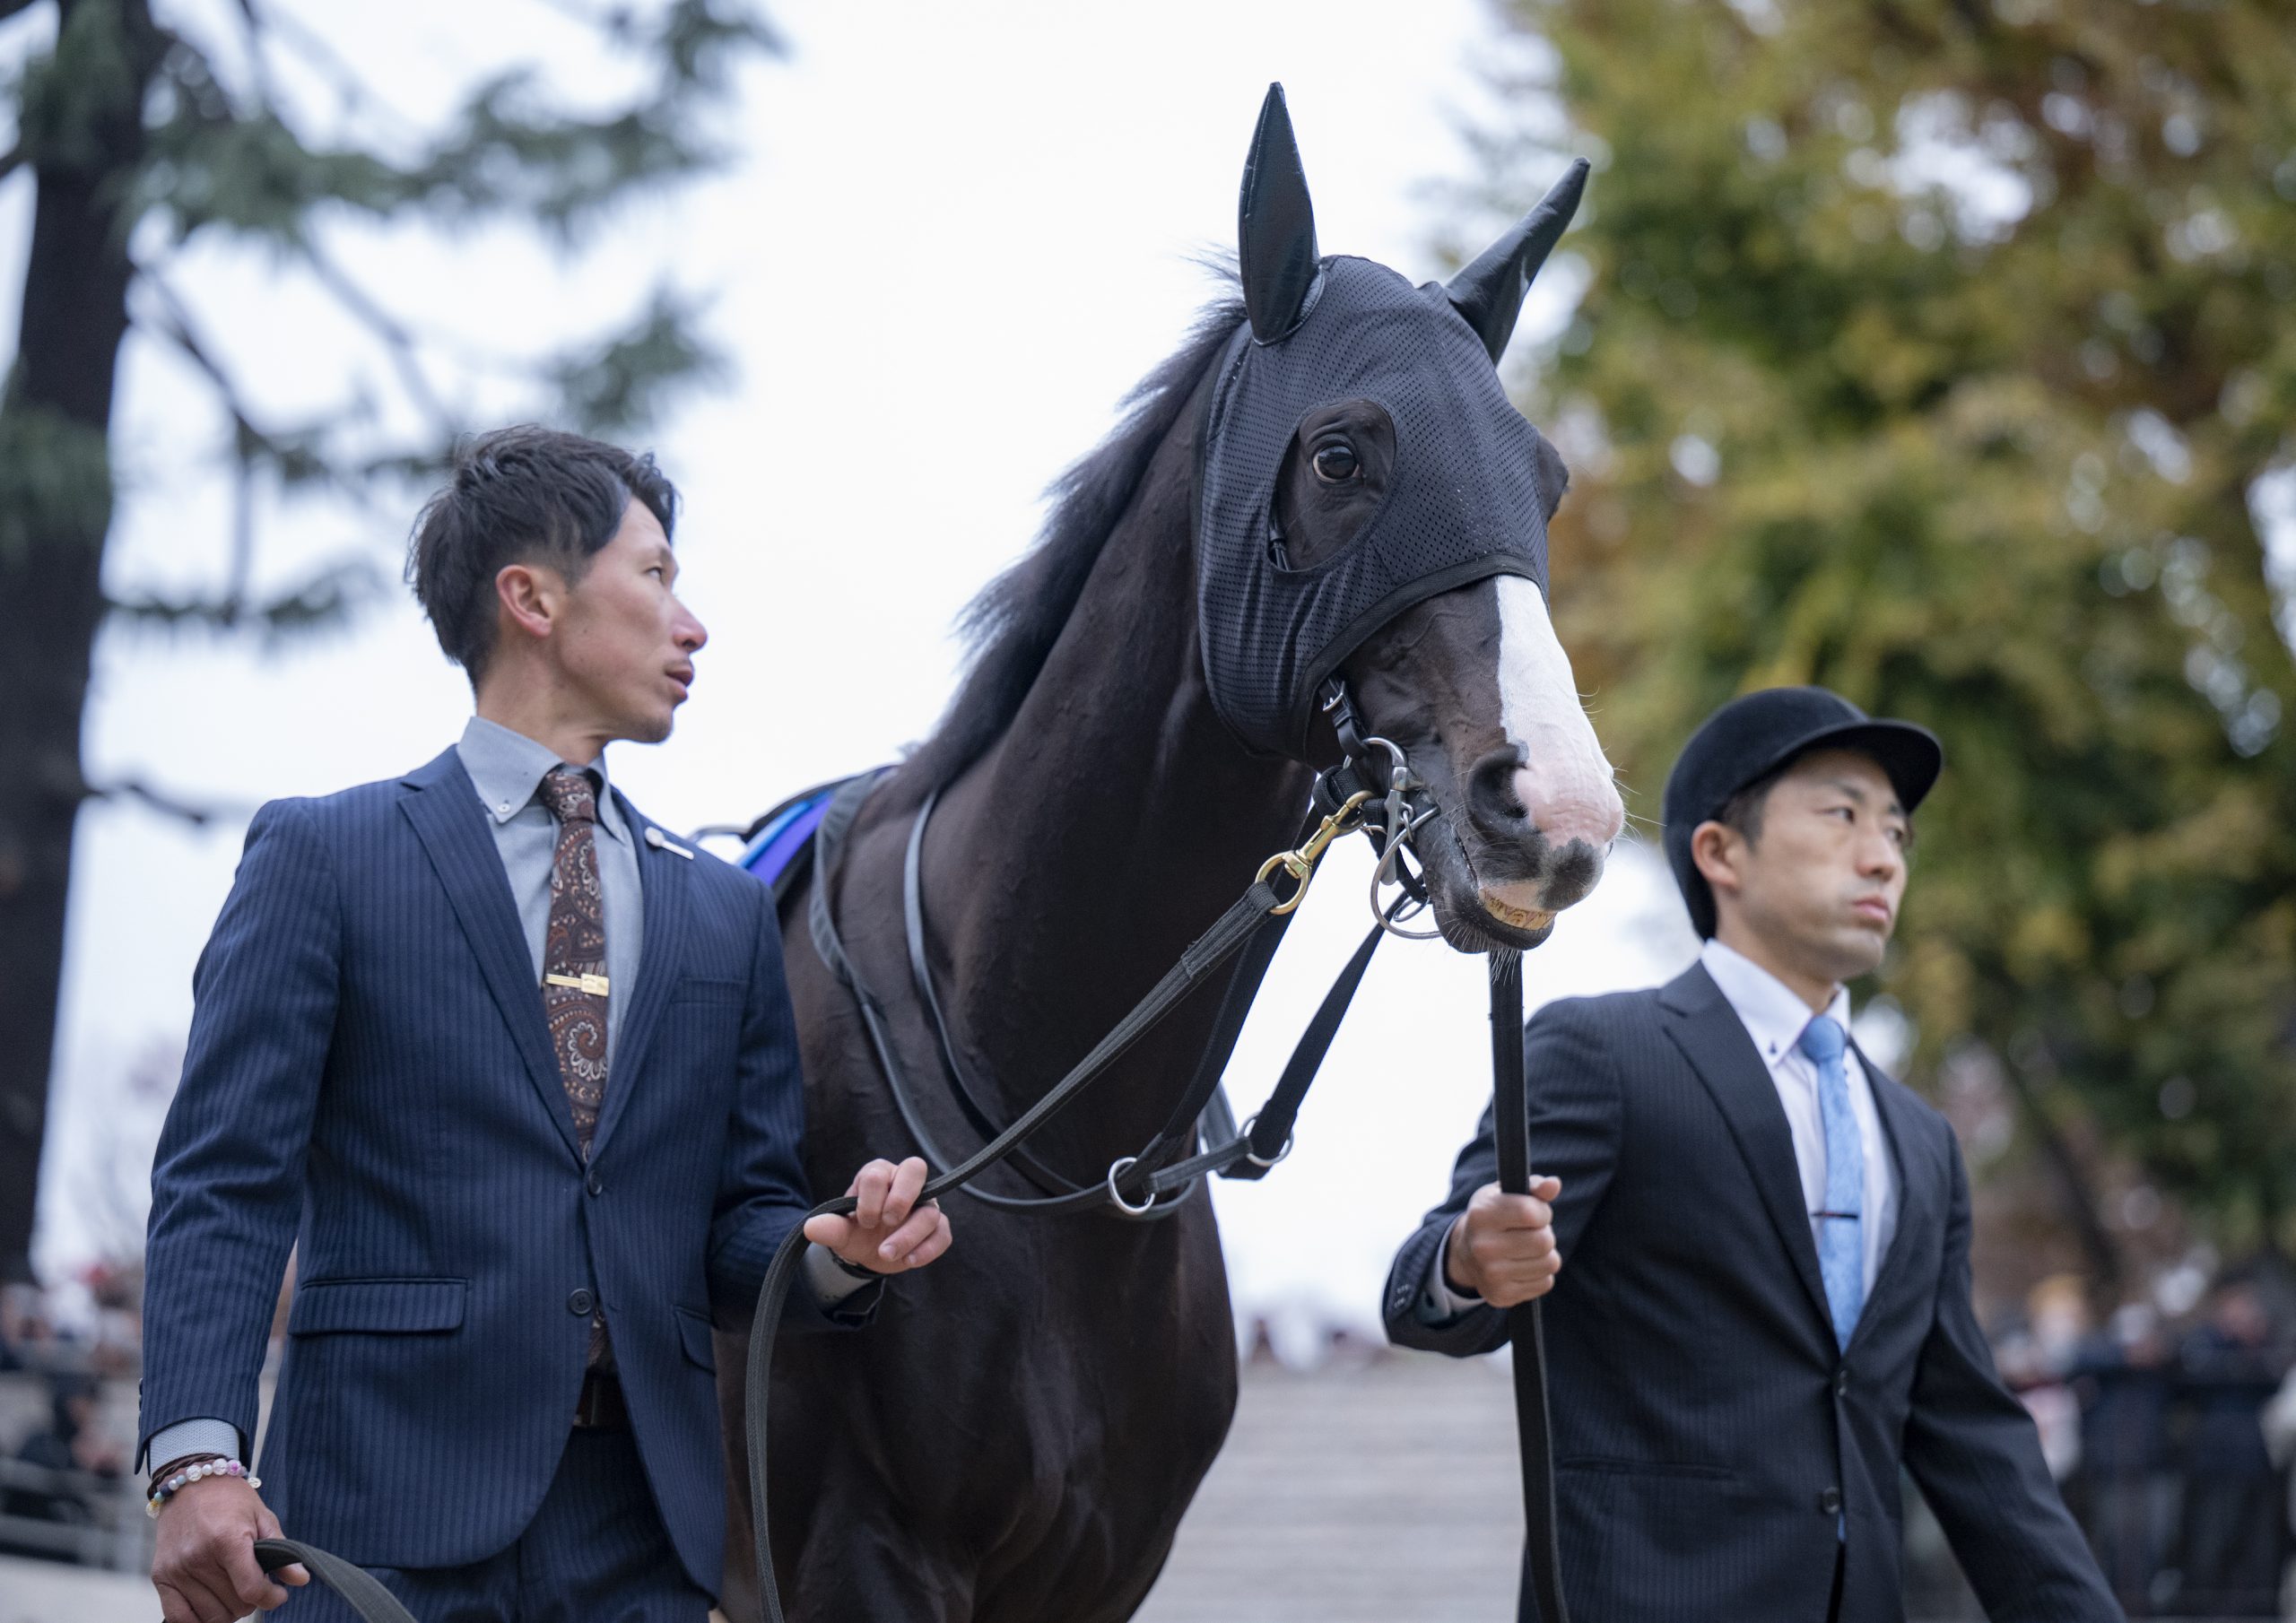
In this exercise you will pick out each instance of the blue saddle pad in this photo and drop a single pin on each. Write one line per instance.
(779, 838)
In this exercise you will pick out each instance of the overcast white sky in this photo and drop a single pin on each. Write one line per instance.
(957, 236)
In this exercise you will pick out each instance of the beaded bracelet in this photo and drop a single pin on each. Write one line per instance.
(162, 1492)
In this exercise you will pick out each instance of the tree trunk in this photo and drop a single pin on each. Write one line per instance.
(55, 509)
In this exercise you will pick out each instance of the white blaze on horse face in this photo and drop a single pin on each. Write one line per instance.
(1565, 784)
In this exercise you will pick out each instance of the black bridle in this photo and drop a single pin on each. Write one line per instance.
(1152, 1183)
(1149, 1183)
(1138, 1186)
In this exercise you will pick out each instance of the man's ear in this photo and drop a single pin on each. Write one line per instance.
(1717, 850)
(531, 596)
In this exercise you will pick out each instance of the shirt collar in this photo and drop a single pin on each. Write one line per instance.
(1772, 1013)
(507, 767)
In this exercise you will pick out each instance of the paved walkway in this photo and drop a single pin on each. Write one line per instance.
(44, 1592)
(1374, 1493)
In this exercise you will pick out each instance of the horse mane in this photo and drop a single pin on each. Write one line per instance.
(1010, 626)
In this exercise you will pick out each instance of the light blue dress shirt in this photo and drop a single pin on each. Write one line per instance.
(507, 767)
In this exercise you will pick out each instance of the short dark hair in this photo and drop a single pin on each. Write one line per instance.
(1742, 813)
(521, 495)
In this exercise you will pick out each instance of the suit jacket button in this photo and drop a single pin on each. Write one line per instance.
(596, 1187)
(581, 1304)
(1829, 1501)
(1841, 1383)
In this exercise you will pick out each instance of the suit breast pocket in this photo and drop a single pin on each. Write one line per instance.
(703, 1025)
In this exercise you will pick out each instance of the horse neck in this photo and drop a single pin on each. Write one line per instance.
(1114, 820)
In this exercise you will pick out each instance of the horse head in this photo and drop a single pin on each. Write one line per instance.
(1371, 513)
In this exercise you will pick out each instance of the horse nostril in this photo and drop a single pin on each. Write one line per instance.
(1519, 809)
(1498, 812)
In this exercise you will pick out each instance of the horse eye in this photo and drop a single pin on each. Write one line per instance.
(1336, 464)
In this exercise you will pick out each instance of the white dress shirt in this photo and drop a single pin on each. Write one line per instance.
(1774, 1017)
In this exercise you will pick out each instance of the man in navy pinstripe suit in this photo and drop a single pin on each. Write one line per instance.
(515, 1075)
(1757, 1242)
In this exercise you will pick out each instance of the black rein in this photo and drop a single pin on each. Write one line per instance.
(1137, 1186)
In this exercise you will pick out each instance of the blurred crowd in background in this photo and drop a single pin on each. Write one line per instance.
(2171, 1439)
(69, 1358)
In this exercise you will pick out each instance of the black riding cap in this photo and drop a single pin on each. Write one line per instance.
(1758, 733)
(1473, 484)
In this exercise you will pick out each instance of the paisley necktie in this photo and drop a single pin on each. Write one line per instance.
(574, 986)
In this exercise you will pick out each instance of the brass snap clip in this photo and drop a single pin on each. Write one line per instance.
(1300, 864)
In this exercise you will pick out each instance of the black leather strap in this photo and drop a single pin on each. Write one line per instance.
(829, 844)
(1203, 958)
(1525, 1328)
(920, 976)
(1138, 1187)
(360, 1590)
(1271, 1129)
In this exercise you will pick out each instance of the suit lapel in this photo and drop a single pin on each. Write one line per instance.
(1916, 1185)
(663, 877)
(452, 826)
(1712, 1038)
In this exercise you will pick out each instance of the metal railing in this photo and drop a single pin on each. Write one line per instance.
(93, 1520)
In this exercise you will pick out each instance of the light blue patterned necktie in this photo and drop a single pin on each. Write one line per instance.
(1841, 1225)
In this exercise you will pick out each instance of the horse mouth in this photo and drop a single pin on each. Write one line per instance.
(1474, 915)
(1531, 921)
(1494, 926)
(1500, 897)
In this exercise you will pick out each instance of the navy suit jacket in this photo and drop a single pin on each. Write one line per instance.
(1710, 1435)
(371, 1081)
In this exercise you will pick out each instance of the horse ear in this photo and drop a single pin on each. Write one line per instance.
(1490, 292)
(1275, 227)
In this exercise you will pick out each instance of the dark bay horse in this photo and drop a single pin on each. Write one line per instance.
(1015, 1438)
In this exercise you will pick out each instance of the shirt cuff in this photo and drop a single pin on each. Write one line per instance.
(832, 1284)
(1437, 1303)
(193, 1437)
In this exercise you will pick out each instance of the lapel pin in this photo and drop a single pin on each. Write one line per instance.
(661, 842)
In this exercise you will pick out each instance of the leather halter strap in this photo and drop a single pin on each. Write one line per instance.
(359, 1589)
(1526, 1326)
(1252, 919)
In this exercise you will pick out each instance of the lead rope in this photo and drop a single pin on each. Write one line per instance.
(1525, 1328)
(359, 1589)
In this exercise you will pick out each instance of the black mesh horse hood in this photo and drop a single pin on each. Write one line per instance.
(1473, 482)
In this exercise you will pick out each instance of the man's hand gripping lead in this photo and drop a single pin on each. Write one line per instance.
(1501, 1247)
(889, 1231)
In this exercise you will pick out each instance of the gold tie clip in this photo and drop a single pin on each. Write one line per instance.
(595, 985)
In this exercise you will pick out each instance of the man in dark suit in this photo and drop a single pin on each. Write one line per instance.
(514, 1074)
(1765, 1312)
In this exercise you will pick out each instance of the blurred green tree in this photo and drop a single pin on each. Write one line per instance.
(1938, 350)
(149, 138)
